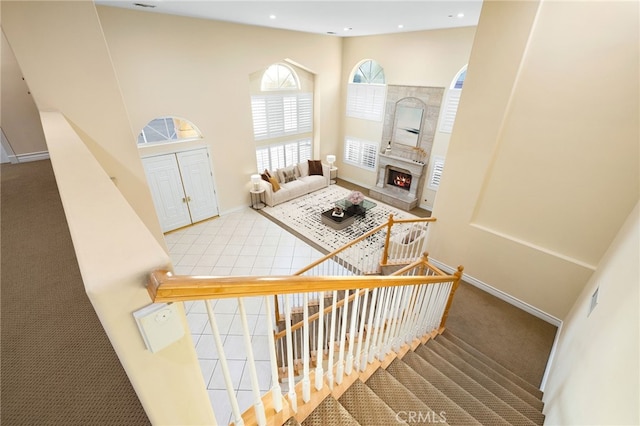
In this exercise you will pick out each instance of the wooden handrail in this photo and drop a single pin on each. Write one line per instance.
(164, 286)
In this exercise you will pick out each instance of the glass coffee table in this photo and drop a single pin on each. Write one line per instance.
(356, 209)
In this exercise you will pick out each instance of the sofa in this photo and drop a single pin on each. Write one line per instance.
(291, 182)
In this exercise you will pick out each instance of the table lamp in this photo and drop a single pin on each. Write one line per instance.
(255, 181)
(331, 159)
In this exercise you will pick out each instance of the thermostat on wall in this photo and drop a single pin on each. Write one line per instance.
(159, 325)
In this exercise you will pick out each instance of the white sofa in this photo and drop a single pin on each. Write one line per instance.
(303, 184)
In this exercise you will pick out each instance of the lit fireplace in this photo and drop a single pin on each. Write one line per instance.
(399, 179)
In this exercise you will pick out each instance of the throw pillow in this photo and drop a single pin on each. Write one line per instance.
(274, 184)
(289, 175)
(280, 173)
(265, 175)
(303, 169)
(315, 167)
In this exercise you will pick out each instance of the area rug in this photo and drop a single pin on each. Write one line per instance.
(302, 216)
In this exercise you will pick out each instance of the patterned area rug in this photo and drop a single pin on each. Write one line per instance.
(302, 216)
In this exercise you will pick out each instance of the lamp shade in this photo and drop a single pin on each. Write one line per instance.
(331, 159)
(255, 180)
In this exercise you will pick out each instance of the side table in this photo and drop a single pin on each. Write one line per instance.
(333, 175)
(257, 199)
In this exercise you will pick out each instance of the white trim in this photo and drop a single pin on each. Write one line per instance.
(501, 295)
(552, 356)
(32, 156)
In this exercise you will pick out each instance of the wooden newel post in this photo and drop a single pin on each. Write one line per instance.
(385, 252)
(456, 283)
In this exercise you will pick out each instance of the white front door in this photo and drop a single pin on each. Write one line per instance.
(182, 187)
(197, 180)
(165, 183)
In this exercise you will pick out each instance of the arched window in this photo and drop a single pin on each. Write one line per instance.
(452, 101)
(369, 72)
(279, 77)
(367, 91)
(168, 129)
(282, 119)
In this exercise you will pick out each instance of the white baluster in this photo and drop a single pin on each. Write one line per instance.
(306, 386)
(276, 391)
(231, 392)
(358, 354)
(332, 339)
(384, 326)
(373, 349)
(343, 337)
(352, 333)
(367, 348)
(293, 398)
(261, 417)
(320, 345)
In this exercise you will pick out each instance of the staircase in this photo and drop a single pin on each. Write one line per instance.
(444, 381)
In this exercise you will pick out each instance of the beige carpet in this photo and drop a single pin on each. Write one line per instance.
(510, 336)
(58, 366)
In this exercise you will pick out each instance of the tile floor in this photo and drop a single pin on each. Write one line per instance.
(243, 243)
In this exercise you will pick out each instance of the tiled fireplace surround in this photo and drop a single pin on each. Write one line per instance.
(402, 157)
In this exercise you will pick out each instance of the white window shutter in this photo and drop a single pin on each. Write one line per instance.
(366, 101)
(450, 110)
(436, 172)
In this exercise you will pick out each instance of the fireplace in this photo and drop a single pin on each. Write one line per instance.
(398, 178)
(400, 181)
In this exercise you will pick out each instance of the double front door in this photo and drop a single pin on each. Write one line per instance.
(182, 187)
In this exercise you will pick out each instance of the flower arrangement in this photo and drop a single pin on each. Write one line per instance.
(356, 197)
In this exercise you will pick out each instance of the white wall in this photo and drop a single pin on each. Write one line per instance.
(542, 165)
(594, 378)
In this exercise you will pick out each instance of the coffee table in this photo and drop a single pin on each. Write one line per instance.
(335, 222)
(356, 209)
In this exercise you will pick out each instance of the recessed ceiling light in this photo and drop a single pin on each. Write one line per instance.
(331, 32)
(272, 16)
(460, 15)
(400, 26)
(144, 5)
(348, 28)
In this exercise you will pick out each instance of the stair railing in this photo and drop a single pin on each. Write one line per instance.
(387, 311)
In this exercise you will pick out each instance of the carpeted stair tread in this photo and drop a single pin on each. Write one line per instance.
(478, 355)
(329, 412)
(486, 382)
(465, 361)
(476, 389)
(429, 394)
(291, 422)
(505, 381)
(401, 400)
(454, 391)
(367, 407)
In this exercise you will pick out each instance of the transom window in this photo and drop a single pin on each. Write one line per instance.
(366, 93)
(279, 77)
(369, 72)
(168, 129)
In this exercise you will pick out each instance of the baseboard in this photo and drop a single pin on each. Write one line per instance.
(32, 156)
(501, 295)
